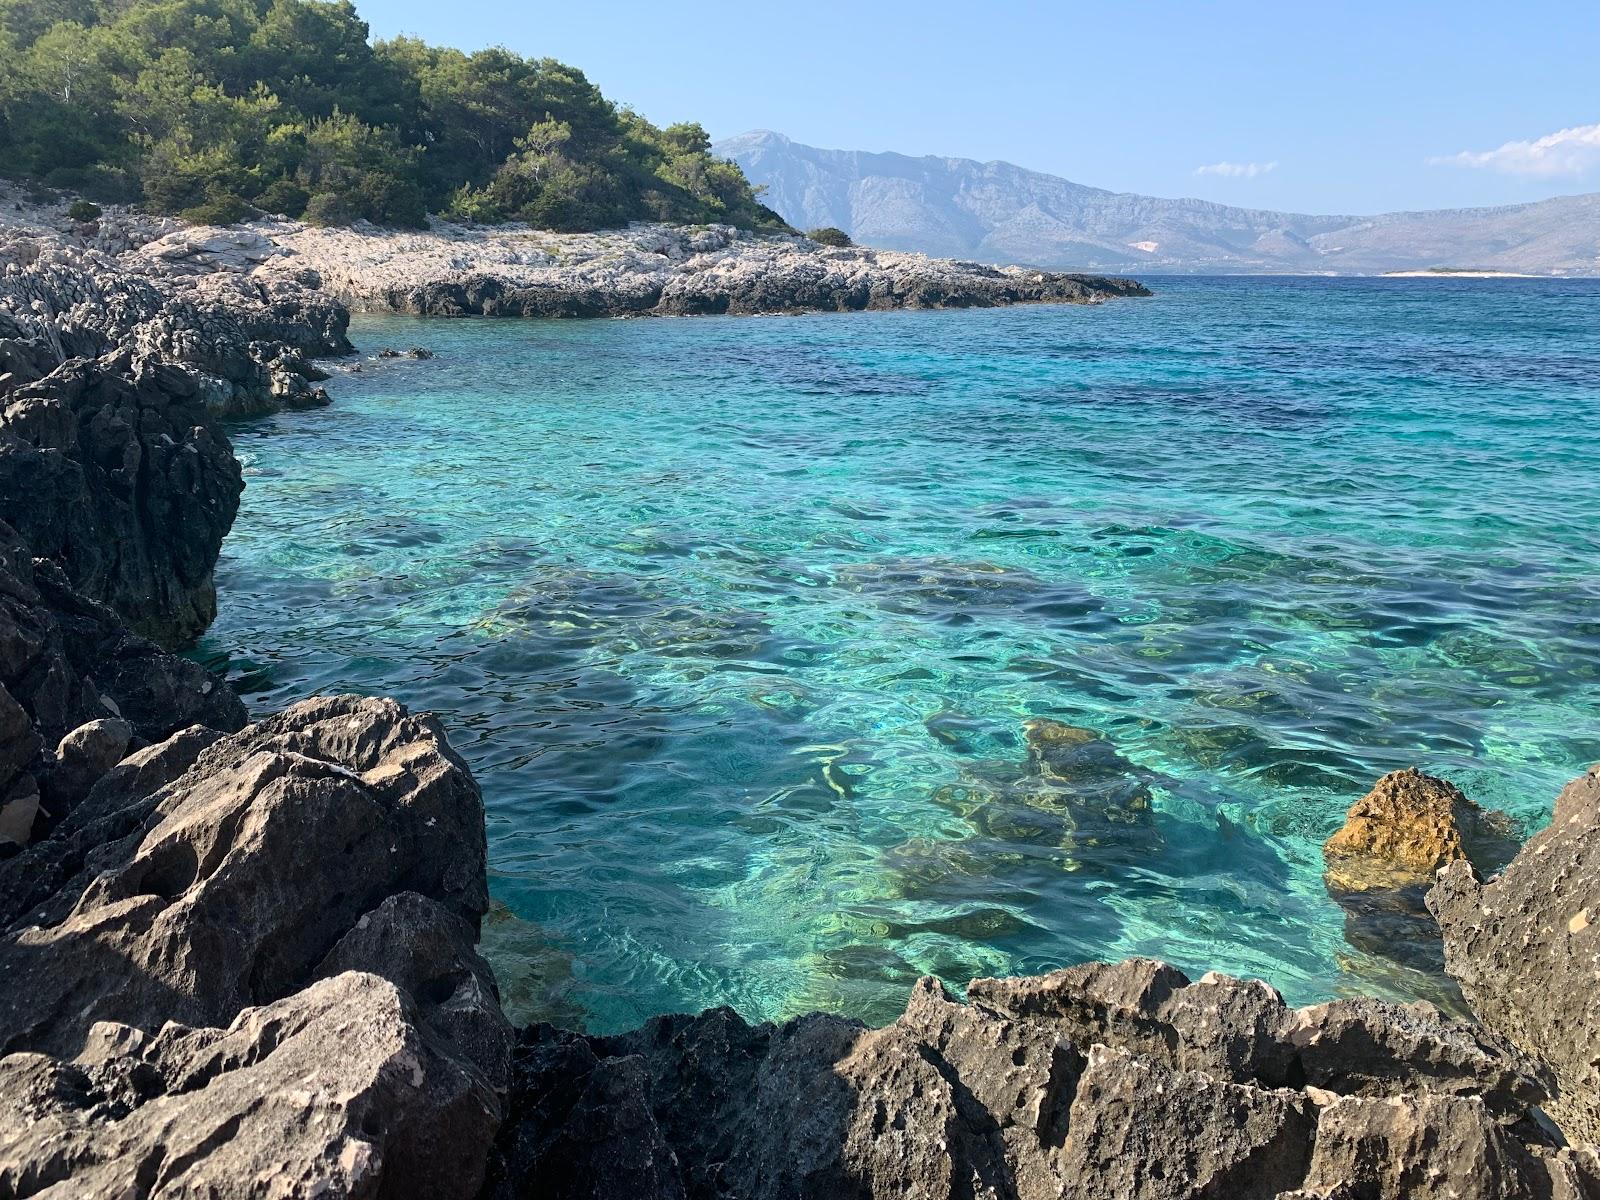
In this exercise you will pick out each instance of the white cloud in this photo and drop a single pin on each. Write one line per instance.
(1565, 152)
(1233, 170)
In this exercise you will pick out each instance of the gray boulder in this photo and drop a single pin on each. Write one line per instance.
(1108, 1080)
(1525, 947)
(244, 965)
(333, 1091)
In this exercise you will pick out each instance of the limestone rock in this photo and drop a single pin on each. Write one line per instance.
(1107, 1080)
(1420, 1147)
(332, 1091)
(1525, 947)
(193, 962)
(513, 271)
(1405, 829)
(66, 661)
(203, 900)
(1139, 1131)
(1382, 861)
(86, 754)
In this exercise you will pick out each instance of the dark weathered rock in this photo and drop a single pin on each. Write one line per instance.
(332, 1091)
(1139, 1131)
(1420, 1147)
(1525, 947)
(1372, 1047)
(191, 964)
(209, 903)
(128, 486)
(84, 756)
(66, 661)
(1108, 1080)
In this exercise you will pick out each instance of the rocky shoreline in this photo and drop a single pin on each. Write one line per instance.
(240, 959)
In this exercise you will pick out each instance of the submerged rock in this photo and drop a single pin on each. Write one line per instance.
(1408, 827)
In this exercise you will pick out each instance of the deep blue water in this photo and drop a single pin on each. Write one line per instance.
(738, 620)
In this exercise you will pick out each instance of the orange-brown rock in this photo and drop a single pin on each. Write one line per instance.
(1408, 827)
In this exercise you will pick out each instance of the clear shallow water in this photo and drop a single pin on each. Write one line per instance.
(738, 620)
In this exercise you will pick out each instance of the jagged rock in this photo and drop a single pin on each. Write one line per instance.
(191, 962)
(1139, 1131)
(1370, 1047)
(427, 949)
(1227, 1027)
(1418, 1147)
(86, 754)
(1408, 827)
(1525, 947)
(1382, 861)
(66, 661)
(208, 902)
(333, 1091)
(131, 491)
(1107, 1080)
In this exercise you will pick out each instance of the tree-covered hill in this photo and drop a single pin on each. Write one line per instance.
(212, 108)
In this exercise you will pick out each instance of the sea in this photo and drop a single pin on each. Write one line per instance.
(742, 623)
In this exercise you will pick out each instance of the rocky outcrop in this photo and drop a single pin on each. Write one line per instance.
(77, 690)
(1122, 1080)
(1408, 827)
(1525, 946)
(112, 462)
(244, 965)
(243, 346)
(111, 468)
(654, 270)
(334, 1091)
(1382, 861)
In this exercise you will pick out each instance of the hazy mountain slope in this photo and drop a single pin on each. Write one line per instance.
(1002, 213)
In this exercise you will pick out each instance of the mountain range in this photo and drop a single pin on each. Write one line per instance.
(999, 212)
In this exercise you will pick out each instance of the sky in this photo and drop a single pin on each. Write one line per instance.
(1329, 107)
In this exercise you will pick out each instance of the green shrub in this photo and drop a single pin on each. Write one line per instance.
(221, 208)
(329, 208)
(108, 185)
(284, 197)
(85, 210)
(828, 235)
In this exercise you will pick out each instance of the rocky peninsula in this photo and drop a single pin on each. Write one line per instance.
(240, 959)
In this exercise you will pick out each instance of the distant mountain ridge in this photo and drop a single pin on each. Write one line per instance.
(999, 212)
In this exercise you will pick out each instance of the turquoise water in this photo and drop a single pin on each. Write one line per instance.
(738, 620)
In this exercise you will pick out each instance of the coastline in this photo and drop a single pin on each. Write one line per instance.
(241, 955)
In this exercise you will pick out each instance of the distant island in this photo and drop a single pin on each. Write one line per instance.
(1460, 273)
(998, 212)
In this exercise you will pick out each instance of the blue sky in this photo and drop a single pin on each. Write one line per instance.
(1353, 107)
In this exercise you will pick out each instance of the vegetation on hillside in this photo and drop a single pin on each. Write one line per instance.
(829, 235)
(215, 108)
